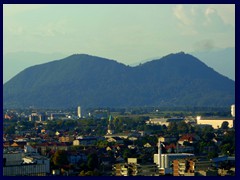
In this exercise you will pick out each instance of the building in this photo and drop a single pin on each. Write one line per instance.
(79, 114)
(190, 138)
(233, 110)
(33, 117)
(164, 121)
(165, 161)
(58, 116)
(193, 167)
(66, 139)
(85, 141)
(134, 167)
(20, 164)
(110, 129)
(157, 121)
(167, 139)
(183, 167)
(215, 122)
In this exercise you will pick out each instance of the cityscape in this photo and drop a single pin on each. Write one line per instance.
(119, 142)
(119, 90)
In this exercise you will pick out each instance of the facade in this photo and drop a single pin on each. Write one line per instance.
(57, 116)
(157, 121)
(85, 141)
(166, 161)
(18, 164)
(183, 167)
(215, 122)
(134, 168)
(33, 117)
(190, 138)
(74, 158)
(66, 139)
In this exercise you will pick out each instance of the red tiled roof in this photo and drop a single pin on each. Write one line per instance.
(188, 137)
(170, 146)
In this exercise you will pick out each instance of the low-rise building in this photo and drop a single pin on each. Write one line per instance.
(166, 161)
(66, 139)
(18, 164)
(215, 122)
(193, 167)
(85, 141)
(135, 168)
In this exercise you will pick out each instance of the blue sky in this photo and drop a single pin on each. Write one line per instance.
(126, 33)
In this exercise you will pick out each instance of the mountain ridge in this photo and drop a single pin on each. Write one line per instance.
(174, 80)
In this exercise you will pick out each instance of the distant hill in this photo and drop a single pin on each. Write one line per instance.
(222, 60)
(174, 80)
(13, 63)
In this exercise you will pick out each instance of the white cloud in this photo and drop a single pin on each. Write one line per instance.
(181, 15)
(226, 12)
(196, 19)
(209, 11)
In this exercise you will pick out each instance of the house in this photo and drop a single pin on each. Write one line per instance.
(43, 148)
(75, 157)
(117, 140)
(190, 138)
(147, 145)
(172, 148)
(85, 141)
(66, 139)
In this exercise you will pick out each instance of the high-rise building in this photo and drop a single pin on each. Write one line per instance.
(164, 161)
(79, 112)
(110, 126)
(233, 110)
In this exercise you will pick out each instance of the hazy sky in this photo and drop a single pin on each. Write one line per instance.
(126, 33)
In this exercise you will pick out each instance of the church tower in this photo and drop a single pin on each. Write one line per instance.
(110, 125)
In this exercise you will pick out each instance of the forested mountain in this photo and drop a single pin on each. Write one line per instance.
(174, 80)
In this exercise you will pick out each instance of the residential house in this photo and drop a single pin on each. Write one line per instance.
(190, 138)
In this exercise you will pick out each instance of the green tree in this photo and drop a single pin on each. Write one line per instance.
(173, 128)
(226, 149)
(224, 125)
(212, 154)
(92, 161)
(60, 158)
(182, 127)
(10, 129)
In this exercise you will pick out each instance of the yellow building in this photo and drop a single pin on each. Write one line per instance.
(215, 122)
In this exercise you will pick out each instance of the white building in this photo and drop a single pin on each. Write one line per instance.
(233, 110)
(165, 161)
(157, 121)
(79, 112)
(215, 122)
